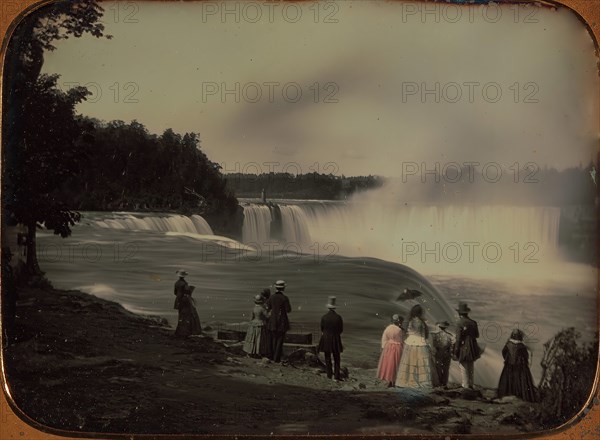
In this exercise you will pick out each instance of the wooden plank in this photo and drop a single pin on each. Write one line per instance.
(231, 335)
(290, 338)
(298, 338)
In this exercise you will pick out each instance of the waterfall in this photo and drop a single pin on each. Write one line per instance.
(257, 224)
(282, 222)
(432, 238)
(173, 223)
(202, 226)
(294, 225)
(357, 224)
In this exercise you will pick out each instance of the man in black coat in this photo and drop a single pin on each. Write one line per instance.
(332, 327)
(466, 349)
(278, 324)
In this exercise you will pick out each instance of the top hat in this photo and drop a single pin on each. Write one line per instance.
(181, 273)
(331, 303)
(280, 284)
(517, 335)
(463, 308)
(443, 324)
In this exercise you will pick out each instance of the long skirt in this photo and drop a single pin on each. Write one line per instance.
(516, 380)
(256, 341)
(389, 361)
(188, 322)
(265, 343)
(415, 367)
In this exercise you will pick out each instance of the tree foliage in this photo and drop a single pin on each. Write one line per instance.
(568, 372)
(53, 148)
(39, 31)
(130, 168)
(43, 141)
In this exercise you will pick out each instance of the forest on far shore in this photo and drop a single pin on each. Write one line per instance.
(525, 185)
(299, 186)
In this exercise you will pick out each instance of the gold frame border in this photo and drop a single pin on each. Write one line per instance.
(14, 424)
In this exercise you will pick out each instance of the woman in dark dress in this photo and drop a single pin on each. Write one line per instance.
(188, 322)
(254, 343)
(516, 379)
(265, 340)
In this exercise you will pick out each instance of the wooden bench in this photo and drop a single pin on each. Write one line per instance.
(290, 337)
(231, 335)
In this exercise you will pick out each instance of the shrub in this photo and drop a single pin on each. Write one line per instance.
(568, 372)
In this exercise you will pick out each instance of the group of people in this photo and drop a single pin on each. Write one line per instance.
(413, 358)
(413, 362)
(267, 328)
(270, 323)
(410, 356)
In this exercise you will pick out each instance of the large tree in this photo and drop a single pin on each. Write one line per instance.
(42, 137)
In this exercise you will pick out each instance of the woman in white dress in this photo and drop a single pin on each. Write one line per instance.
(415, 364)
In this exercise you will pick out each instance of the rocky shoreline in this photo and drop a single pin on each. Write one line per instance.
(80, 363)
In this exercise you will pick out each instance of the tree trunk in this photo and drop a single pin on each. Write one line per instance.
(32, 262)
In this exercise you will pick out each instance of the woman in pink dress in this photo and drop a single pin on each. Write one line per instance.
(391, 351)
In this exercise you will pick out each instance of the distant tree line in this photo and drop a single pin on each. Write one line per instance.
(300, 186)
(518, 184)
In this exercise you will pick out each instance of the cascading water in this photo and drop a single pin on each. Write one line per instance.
(257, 224)
(469, 239)
(294, 225)
(173, 223)
(353, 224)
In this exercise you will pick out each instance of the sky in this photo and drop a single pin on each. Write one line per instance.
(351, 88)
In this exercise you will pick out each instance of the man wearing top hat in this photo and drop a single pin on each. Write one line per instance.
(442, 343)
(332, 327)
(278, 324)
(466, 350)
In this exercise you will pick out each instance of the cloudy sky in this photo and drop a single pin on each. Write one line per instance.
(364, 85)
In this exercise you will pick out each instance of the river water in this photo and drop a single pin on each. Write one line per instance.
(503, 261)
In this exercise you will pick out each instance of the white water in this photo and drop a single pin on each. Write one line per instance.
(295, 226)
(218, 240)
(172, 223)
(357, 223)
(494, 241)
(257, 224)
